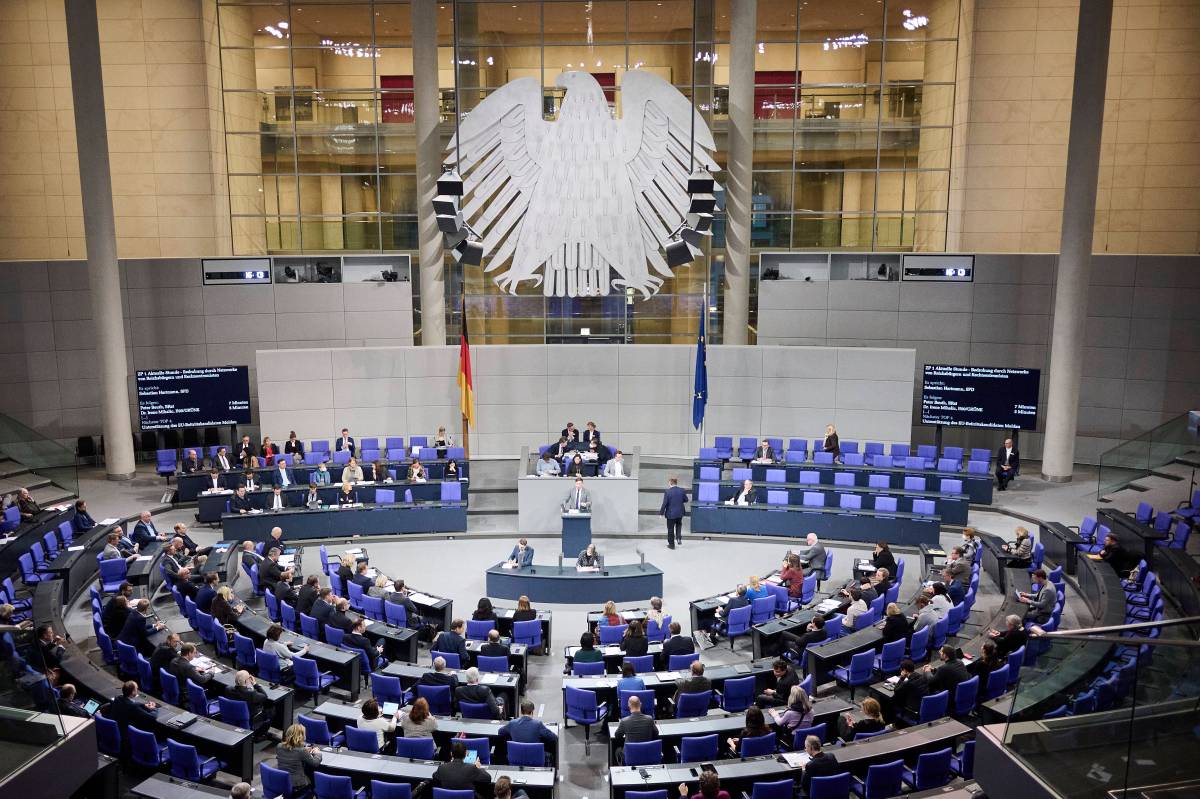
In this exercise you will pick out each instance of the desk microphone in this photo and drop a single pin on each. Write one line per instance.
(642, 556)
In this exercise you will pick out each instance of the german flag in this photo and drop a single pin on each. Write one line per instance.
(466, 390)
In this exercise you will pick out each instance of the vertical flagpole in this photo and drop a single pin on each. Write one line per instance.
(466, 425)
(704, 327)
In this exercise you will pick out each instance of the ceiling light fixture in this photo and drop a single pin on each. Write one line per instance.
(911, 22)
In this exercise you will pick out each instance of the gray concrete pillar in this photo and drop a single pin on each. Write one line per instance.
(1075, 251)
(426, 97)
(738, 171)
(100, 234)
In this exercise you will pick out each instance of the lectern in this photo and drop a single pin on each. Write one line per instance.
(576, 533)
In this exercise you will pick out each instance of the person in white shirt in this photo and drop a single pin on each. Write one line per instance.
(250, 484)
(857, 608)
(939, 600)
(372, 720)
(223, 460)
(547, 466)
(579, 498)
(284, 477)
(616, 466)
(745, 496)
(277, 499)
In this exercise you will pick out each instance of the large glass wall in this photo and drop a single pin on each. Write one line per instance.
(853, 103)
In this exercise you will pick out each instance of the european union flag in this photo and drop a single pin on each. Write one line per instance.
(700, 392)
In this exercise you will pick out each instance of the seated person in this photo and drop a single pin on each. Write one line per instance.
(477, 693)
(609, 616)
(352, 472)
(493, 647)
(925, 616)
(756, 589)
(575, 469)
(694, 683)
(416, 472)
(379, 471)
(1122, 560)
(570, 434)
(274, 645)
(764, 454)
(616, 466)
(589, 558)
(456, 775)
(278, 500)
(191, 462)
(855, 608)
(882, 557)
(248, 479)
(1021, 549)
(634, 642)
(347, 496)
(484, 610)
(814, 633)
(1041, 602)
(895, 626)
(587, 651)
(321, 476)
(912, 687)
(361, 578)
(547, 466)
(357, 639)
(635, 728)
(720, 619)
(756, 726)
(872, 720)
(439, 675)
(744, 496)
(312, 499)
(629, 680)
(247, 689)
(451, 472)
(522, 554)
(559, 449)
(598, 451)
(1012, 638)
(239, 502)
(989, 660)
(452, 640)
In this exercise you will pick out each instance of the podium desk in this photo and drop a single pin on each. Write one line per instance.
(565, 585)
(576, 533)
(614, 506)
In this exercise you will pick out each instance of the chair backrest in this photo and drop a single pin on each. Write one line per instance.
(587, 668)
(776, 476)
(949, 486)
(581, 705)
(762, 609)
(965, 694)
(168, 685)
(934, 706)
(418, 748)
(451, 492)
(234, 711)
(268, 666)
(742, 473)
(724, 446)
(738, 694)
(814, 499)
(831, 787)
(394, 446)
(697, 748)
(1015, 659)
(108, 736)
(777, 497)
(977, 467)
(706, 453)
(883, 779)
(438, 697)
(475, 710)
(746, 447)
(612, 634)
(780, 789)
(850, 501)
(693, 704)
(710, 473)
(372, 607)
(362, 740)
(478, 630)
(853, 458)
(143, 747)
(997, 683)
(948, 465)
(914, 483)
(316, 731)
(933, 769)
(823, 458)
(843, 478)
(392, 613)
(275, 782)
(333, 787)
(681, 662)
(758, 745)
(385, 496)
(795, 456)
(646, 753)
(709, 492)
(528, 632)
(525, 754)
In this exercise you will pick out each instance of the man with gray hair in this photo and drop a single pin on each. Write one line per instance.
(241, 791)
(1012, 638)
(820, 763)
(439, 675)
(477, 693)
(813, 557)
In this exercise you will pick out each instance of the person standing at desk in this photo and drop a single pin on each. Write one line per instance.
(1008, 463)
(830, 444)
(522, 554)
(672, 509)
(589, 558)
(615, 467)
(764, 453)
(345, 442)
(579, 499)
(814, 555)
(294, 448)
(352, 472)
(744, 496)
(547, 466)
(321, 476)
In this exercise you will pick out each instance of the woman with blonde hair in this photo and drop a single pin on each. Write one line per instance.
(225, 607)
(611, 617)
(297, 757)
(755, 589)
(871, 722)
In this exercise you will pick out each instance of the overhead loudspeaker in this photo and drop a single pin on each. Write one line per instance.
(678, 252)
(693, 236)
(701, 182)
(445, 205)
(702, 204)
(700, 222)
(450, 223)
(469, 252)
(450, 183)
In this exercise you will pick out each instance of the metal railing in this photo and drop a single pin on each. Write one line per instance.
(1139, 456)
(43, 456)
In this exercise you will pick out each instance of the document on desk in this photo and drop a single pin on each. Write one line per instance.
(796, 759)
(587, 568)
(423, 599)
(827, 605)
(287, 561)
(256, 510)
(145, 557)
(76, 548)
(489, 677)
(508, 565)
(106, 522)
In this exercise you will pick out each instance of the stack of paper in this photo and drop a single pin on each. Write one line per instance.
(422, 599)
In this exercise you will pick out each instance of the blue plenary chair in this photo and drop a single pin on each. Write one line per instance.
(331, 787)
(187, 765)
(519, 754)
(963, 764)
(234, 711)
(416, 748)
(144, 749)
(693, 705)
(681, 662)
(802, 733)
(861, 671)
(582, 708)
(475, 710)
(309, 677)
(108, 736)
(316, 731)
(362, 740)
(646, 696)
(882, 780)
(452, 659)
(932, 771)
(438, 697)
(698, 748)
(835, 786)
(738, 694)
(647, 753)
(277, 782)
(390, 790)
(758, 745)
(586, 669)
(779, 789)
(497, 664)
(737, 624)
(965, 694)
(478, 630)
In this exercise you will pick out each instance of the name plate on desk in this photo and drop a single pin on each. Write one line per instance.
(587, 568)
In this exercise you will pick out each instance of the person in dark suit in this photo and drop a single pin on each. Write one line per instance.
(439, 675)
(525, 729)
(247, 689)
(339, 617)
(820, 763)
(138, 628)
(1012, 638)
(215, 481)
(635, 728)
(345, 442)
(83, 520)
(50, 646)
(814, 633)
(182, 668)
(294, 447)
(738, 600)
(458, 776)
(277, 499)
(694, 683)
(570, 433)
(948, 675)
(207, 592)
(765, 453)
(634, 642)
(672, 510)
(112, 618)
(283, 590)
(895, 624)
(164, 653)
(1008, 463)
(191, 463)
(882, 557)
(783, 678)
(590, 434)
(559, 449)
(452, 640)
(493, 648)
(308, 595)
(356, 638)
(912, 687)
(283, 477)
(222, 461)
(269, 571)
(67, 704)
(522, 554)
(244, 450)
(27, 505)
(677, 643)
(239, 502)
(145, 533)
(830, 444)
(126, 710)
(477, 693)
(744, 496)
(360, 577)
(322, 609)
